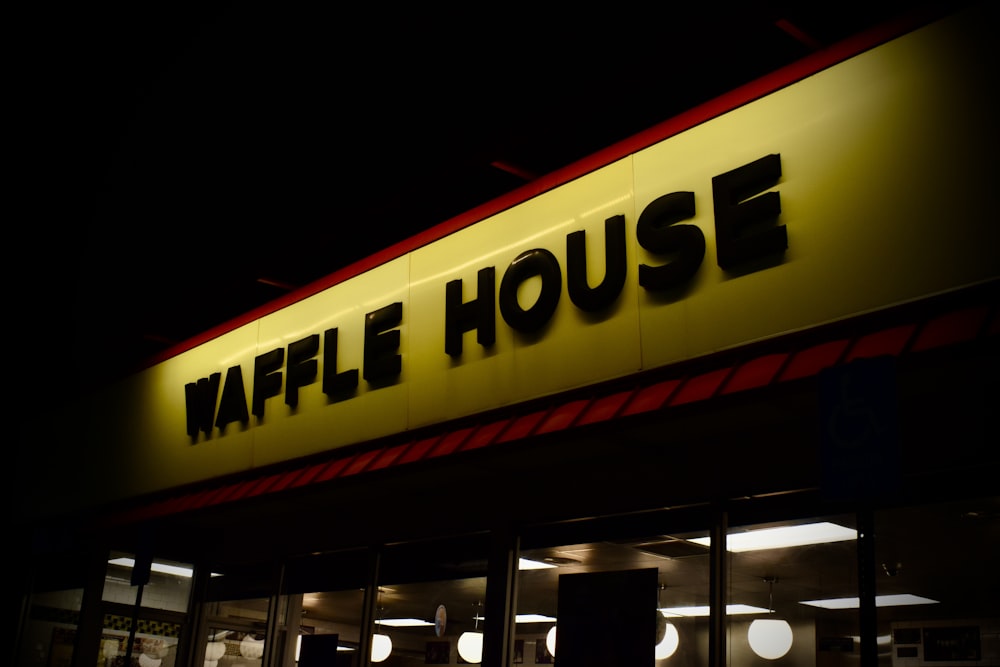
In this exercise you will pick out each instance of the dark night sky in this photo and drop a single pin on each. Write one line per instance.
(175, 153)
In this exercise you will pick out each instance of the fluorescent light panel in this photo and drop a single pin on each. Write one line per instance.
(418, 623)
(784, 536)
(703, 610)
(534, 618)
(155, 567)
(404, 622)
(880, 601)
(527, 564)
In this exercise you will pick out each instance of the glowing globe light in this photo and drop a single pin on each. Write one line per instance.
(381, 647)
(668, 645)
(470, 647)
(770, 638)
(550, 641)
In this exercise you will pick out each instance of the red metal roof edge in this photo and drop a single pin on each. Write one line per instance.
(953, 327)
(785, 76)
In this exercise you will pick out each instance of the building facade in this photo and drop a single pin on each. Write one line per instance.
(724, 394)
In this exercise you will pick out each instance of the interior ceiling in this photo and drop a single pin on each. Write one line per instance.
(905, 565)
(201, 160)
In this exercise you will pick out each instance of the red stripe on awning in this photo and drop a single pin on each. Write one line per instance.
(286, 480)
(486, 435)
(333, 469)
(880, 343)
(418, 449)
(450, 443)
(952, 328)
(959, 326)
(523, 426)
(359, 463)
(562, 416)
(234, 492)
(755, 373)
(700, 387)
(604, 408)
(310, 474)
(264, 485)
(388, 457)
(651, 398)
(810, 362)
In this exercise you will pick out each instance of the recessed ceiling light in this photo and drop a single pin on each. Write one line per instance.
(705, 610)
(534, 618)
(784, 536)
(404, 622)
(527, 564)
(154, 567)
(880, 601)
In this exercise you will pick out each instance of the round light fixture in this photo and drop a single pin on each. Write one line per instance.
(550, 641)
(770, 638)
(470, 646)
(668, 644)
(381, 647)
(147, 660)
(213, 651)
(251, 647)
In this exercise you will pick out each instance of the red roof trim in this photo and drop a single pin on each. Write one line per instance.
(952, 328)
(700, 387)
(359, 463)
(487, 434)
(651, 398)
(809, 362)
(562, 417)
(605, 408)
(767, 84)
(234, 492)
(333, 469)
(418, 449)
(286, 480)
(522, 427)
(961, 325)
(309, 475)
(451, 443)
(888, 341)
(388, 457)
(263, 486)
(756, 372)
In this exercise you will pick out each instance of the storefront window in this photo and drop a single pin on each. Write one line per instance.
(325, 597)
(632, 599)
(430, 604)
(167, 586)
(236, 617)
(784, 579)
(50, 631)
(162, 593)
(936, 583)
(155, 643)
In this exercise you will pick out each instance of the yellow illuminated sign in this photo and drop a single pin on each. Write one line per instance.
(865, 185)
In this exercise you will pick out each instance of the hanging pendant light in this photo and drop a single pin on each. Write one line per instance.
(667, 639)
(550, 641)
(251, 647)
(770, 638)
(381, 647)
(470, 643)
(381, 643)
(667, 646)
